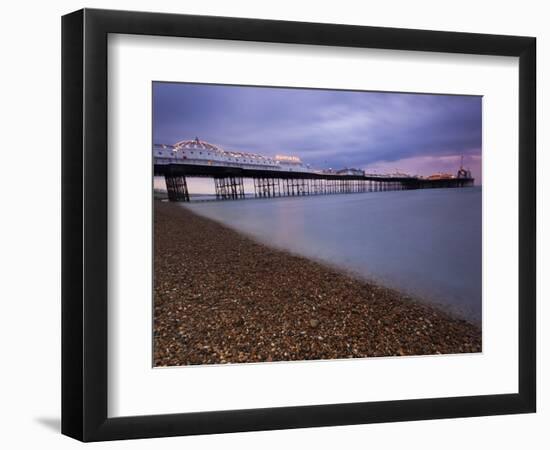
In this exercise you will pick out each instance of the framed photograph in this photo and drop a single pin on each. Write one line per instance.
(273, 224)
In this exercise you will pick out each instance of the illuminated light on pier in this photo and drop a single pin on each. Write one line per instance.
(288, 159)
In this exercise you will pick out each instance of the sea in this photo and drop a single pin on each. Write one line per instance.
(424, 243)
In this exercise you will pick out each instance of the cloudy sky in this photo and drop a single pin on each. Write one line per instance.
(384, 132)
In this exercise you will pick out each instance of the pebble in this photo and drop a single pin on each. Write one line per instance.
(313, 323)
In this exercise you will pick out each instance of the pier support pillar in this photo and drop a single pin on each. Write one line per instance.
(176, 185)
(267, 187)
(229, 188)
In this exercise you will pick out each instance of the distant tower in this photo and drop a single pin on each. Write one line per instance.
(463, 173)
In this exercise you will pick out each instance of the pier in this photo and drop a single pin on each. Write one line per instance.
(268, 183)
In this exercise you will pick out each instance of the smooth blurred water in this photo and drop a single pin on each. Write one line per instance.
(426, 243)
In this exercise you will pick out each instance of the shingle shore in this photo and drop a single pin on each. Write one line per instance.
(220, 297)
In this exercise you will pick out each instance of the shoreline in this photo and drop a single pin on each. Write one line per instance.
(221, 297)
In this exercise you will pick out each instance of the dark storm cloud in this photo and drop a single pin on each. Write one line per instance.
(325, 128)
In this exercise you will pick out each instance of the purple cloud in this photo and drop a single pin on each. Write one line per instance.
(416, 133)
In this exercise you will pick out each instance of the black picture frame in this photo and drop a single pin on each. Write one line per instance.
(84, 224)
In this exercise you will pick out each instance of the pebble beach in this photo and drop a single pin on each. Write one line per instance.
(220, 297)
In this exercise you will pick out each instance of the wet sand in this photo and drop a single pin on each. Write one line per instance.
(220, 297)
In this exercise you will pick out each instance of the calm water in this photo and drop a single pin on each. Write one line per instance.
(425, 243)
